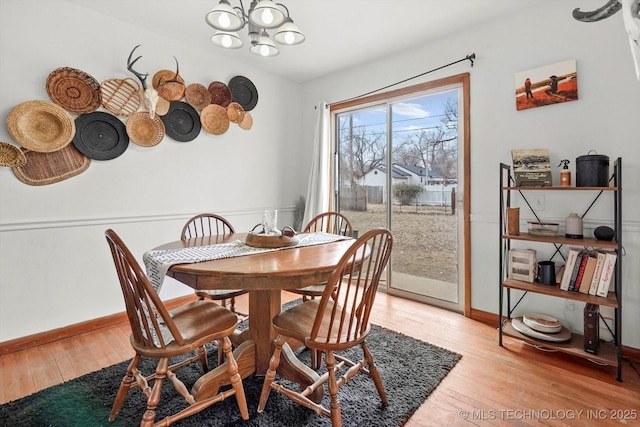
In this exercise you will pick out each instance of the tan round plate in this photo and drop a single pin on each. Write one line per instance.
(74, 90)
(214, 119)
(41, 126)
(162, 106)
(145, 131)
(247, 121)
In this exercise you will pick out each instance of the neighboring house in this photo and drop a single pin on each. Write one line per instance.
(435, 191)
(420, 176)
(378, 177)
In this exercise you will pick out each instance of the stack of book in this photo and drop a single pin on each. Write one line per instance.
(588, 272)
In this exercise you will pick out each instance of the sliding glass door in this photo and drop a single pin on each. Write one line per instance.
(398, 166)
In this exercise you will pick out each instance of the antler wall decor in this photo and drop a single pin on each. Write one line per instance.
(150, 95)
(630, 16)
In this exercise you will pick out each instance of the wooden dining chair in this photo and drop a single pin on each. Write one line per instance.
(329, 222)
(211, 225)
(339, 320)
(159, 334)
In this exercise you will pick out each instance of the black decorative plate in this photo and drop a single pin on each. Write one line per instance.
(182, 122)
(244, 92)
(100, 136)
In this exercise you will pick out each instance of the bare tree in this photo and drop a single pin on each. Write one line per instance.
(433, 148)
(362, 151)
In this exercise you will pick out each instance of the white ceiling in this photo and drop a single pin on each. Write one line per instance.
(339, 33)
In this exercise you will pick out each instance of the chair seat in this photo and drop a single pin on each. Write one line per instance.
(313, 290)
(199, 322)
(297, 323)
(224, 293)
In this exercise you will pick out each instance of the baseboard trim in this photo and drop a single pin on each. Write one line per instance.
(53, 335)
(492, 320)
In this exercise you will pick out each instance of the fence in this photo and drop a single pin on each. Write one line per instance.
(357, 199)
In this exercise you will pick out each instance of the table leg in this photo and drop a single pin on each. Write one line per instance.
(264, 305)
(208, 385)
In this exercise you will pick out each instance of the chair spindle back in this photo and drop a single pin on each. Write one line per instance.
(151, 323)
(206, 225)
(351, 291)
(330, 222)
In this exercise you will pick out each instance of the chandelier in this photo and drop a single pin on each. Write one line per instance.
(263, 15)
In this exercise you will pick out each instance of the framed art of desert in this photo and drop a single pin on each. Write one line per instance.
(551, 84)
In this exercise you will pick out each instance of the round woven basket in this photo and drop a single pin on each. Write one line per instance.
(172, 91)
(74, 90)
(214, 119)
(169, 85)
(235, 112)
(247, 121)
(164, 76)
(121, 96)
(162, 106)
(197, 96)
(220, 94)
(143, 130)
(11, 156)
(41, 126)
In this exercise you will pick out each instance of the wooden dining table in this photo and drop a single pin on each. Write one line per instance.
(264, 275)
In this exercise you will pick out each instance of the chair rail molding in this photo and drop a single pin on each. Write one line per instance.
(132, 219)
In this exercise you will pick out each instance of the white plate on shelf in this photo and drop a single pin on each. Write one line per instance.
(562, 336)
(542, 323)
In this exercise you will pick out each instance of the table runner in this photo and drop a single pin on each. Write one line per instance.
(157, 262)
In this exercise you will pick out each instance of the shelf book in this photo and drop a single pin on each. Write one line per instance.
(608, 270)
(585, 283)
(578, 270)
(593, 289)
(569, 268)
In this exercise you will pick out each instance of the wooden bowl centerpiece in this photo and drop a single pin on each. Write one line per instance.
(276, 239)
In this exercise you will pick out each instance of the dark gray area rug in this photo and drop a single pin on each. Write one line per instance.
(410, 370)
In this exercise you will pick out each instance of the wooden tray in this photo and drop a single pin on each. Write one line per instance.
(47, 168)
(264, 241)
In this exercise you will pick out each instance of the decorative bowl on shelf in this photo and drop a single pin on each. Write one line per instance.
(540, 228)
(542, 323)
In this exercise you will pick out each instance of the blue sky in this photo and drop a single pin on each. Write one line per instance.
(408, 115)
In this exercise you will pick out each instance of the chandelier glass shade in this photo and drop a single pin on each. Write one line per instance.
(262, 15)
(265, 46)
(227, 39)
(266, 15)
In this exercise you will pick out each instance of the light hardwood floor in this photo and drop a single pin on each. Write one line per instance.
(491, 385)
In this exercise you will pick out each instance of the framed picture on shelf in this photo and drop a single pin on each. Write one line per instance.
(532, 168)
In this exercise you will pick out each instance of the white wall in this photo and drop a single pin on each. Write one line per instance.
(55, 268)
(603, 119)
